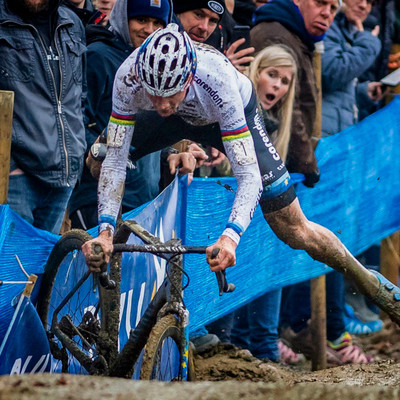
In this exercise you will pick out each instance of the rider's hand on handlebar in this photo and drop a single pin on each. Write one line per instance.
(227, 254)
(94, 261)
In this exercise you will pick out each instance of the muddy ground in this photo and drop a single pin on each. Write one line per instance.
(232, 374)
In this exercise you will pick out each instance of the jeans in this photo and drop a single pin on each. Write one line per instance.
(296, 305)
(222, 328)
(255, 326)
(41, 205)
(202, 331)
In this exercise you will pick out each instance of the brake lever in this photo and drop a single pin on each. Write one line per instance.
(223, 285)
(104, 278)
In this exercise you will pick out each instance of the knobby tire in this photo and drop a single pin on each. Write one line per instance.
(73, 240)
(69, 243)
(166, 328)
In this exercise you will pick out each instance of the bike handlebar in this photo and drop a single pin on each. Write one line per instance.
(158, 249)
(107, 283)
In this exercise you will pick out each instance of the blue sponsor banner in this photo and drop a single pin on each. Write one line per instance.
(32, 246)
(358, 198)
(141, 273)
(25, 348)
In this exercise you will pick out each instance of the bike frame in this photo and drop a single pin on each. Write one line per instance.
(167, 300)
(104, 339)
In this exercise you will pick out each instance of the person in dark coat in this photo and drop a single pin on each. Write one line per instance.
(42, 61)
(349, 50)
(85, 10)
(298, 24)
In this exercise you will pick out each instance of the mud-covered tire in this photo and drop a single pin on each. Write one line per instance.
(72, 240)
(166, 329)
(191, 366)
(71, 313)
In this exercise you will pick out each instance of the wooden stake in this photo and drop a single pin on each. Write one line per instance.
(318, 323)
(6, 115)
(318, 292)
(390, 259)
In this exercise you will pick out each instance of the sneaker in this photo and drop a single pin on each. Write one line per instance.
(204, 343)
(300, 342)
(343, 351)
(359, 305)
(356, 327)
(288, 356)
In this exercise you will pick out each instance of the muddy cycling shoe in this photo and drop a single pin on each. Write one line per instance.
(387, 297)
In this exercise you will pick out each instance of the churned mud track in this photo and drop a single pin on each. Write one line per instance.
(378, 382)
(232, 374)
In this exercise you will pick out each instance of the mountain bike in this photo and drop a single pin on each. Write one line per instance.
(82, 323)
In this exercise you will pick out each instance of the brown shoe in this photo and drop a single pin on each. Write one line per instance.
(300, 342)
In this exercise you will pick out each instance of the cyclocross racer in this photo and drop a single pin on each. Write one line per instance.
(209, 96)
(171, 75)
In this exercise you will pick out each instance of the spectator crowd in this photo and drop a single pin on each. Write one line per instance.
(60, 57)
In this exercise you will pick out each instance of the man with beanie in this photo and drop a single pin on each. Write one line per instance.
(210, 22)
(199, 18)
(42, 59)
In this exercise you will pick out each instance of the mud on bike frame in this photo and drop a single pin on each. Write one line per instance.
(89, 337)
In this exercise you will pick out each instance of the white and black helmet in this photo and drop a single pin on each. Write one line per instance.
(166, 62)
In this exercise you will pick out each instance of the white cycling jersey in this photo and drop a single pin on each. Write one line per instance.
(218, 93)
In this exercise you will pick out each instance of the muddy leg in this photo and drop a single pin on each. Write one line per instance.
(293, 228)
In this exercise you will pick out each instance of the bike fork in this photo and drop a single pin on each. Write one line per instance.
(185, 354)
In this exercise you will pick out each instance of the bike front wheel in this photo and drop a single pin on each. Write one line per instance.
(163, 354)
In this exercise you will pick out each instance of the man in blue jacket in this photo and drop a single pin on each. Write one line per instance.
(349, 51)
(42, 60)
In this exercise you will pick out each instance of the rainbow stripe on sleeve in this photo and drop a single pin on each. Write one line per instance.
(121, 119)
(239, 133)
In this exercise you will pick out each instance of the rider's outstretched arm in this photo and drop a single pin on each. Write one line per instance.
(110, 189)
(239, 147)
(113, 173)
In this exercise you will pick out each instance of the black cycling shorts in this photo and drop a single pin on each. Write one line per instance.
(278, 187)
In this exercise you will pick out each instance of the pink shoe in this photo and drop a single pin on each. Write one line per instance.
(346, 353)
(288, 356)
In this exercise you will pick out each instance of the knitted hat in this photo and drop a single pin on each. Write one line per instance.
(217, 6)
(160, 9)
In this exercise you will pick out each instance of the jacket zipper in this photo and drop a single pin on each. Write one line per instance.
(59, 105)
